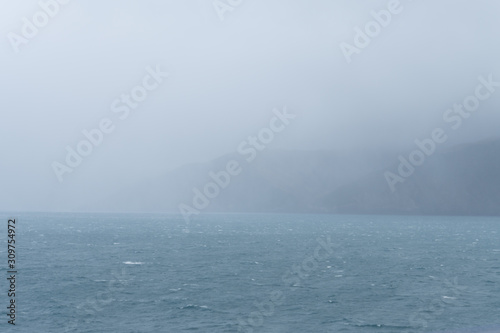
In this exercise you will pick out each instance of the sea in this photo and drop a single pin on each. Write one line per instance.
(124, 273)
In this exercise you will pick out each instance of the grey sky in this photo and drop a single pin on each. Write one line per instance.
(225, 79)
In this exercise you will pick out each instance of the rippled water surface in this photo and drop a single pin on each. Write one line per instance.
(254, 273)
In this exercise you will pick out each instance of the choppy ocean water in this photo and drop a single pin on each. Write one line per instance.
(253, 273)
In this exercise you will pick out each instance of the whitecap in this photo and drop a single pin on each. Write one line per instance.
(133, 263)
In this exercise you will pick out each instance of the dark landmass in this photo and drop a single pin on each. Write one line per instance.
(460, 180)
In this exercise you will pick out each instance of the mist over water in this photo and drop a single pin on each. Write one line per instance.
(226, 73)
(249, 166)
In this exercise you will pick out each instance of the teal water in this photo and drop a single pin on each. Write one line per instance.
(253, 273)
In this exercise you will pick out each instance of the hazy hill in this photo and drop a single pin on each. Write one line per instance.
(463, 180)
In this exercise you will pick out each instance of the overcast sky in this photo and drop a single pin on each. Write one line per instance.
(225, 78)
